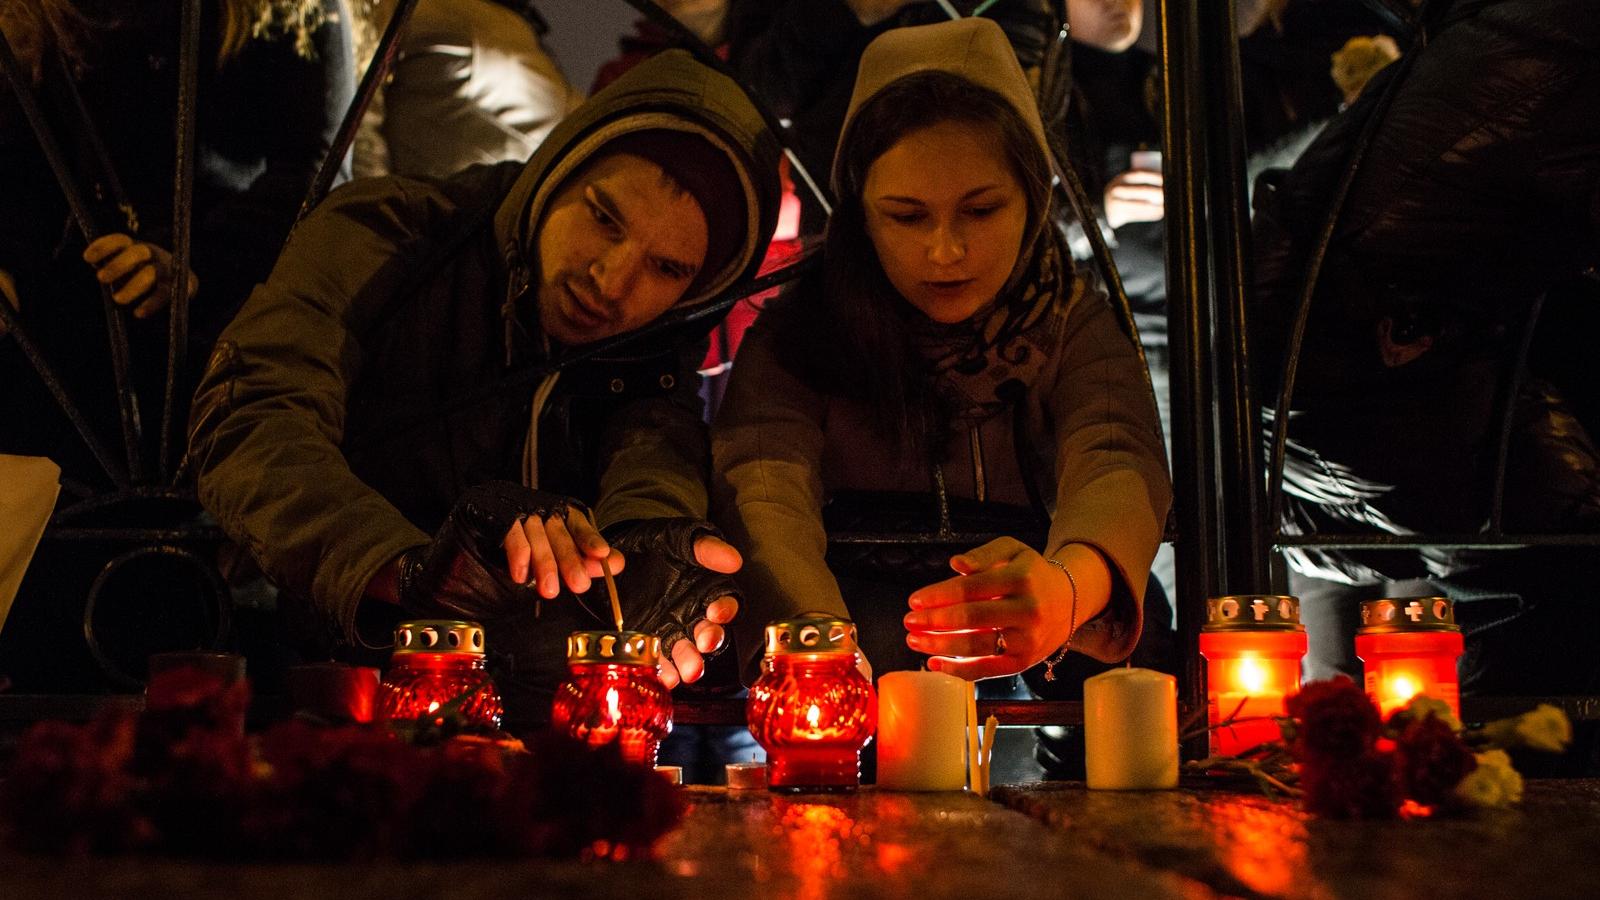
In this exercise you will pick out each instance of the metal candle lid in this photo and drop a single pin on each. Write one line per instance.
(626, 648)
(1253, 612)
(1394, 614)
(811, 633)
(439, 636)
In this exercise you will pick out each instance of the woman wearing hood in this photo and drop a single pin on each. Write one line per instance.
(946, 368)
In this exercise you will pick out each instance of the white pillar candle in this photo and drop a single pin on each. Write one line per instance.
(922, 722)
(1130, 729)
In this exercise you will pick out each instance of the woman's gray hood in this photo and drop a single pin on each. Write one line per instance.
(972, 48)
(669, 91)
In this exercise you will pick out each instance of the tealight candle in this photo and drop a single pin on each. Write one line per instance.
(673, 774)
(1253, 645)
(612, 693)
(747, 776)
(812, 709)
(1130, 730)
(438, 668)
(1409, 646)
(921, 740)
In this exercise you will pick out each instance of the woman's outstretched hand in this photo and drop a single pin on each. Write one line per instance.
(1006, 610)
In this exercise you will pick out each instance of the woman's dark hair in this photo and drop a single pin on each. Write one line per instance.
(843, 328)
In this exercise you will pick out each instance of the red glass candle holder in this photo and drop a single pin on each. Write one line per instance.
(812, 709)
(1410, 646)
(437, 670)
(1253, 645)
(614, 693)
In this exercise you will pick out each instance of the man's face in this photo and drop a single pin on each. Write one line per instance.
(619, 245)
(1110, 25)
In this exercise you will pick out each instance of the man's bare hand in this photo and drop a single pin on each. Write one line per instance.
(545, 553)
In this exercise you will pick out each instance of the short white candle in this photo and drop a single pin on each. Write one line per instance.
(1130, 729)
(746, 776)
(921, 732)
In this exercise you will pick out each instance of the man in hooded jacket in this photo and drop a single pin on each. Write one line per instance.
(441, 357)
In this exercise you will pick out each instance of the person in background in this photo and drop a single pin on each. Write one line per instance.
(472, 83)
(376, 389)
(273, 79)
(1476, 206)
(946, 366)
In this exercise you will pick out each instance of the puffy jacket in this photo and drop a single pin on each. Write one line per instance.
(1477, 194)
(365, 385)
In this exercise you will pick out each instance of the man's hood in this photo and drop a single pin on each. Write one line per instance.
(973, 48)
(671, 91)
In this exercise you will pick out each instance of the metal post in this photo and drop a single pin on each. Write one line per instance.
(1244, 533)
(377, 70)
(1188, 316)
(182, 215)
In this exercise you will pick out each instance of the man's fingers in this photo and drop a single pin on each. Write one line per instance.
(688, 660)
(717, 555)
(707, 636)
(722, 610)
(586, 537)
(517, 554)
(543, 573)
(104, 246)
(963, 644)
(156, 303)
(668, 670)
(617, 561)
(568, 562)
(962, 616)
(137, 286)
(120, 265)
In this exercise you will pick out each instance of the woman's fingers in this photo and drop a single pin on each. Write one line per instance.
(1006, 612)
(963, 644)
(975, 669)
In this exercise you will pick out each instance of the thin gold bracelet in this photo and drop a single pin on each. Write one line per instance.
(1072, 621)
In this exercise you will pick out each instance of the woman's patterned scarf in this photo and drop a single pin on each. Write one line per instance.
(981, 363)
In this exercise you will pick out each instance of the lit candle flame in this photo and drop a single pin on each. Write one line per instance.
(1403, 688)
(613, 705)
(813, 715)
(434, 706)
(1252, 676)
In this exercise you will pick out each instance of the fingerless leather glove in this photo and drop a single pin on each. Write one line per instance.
(664, 591)
(462, 573)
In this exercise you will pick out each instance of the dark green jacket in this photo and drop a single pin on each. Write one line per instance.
(361, 389)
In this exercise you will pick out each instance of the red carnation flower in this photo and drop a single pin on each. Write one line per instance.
(1335, 720)
(1360, 787)
(1432, 761)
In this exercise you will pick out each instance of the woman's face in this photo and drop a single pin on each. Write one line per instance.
(946, 215)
